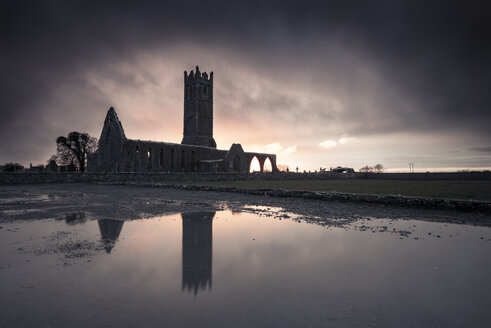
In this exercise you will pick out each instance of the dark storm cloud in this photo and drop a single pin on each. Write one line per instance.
(433, 59)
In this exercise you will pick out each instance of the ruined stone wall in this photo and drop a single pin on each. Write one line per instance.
(196, 153)
(151, 156)
(110, 148)
(262, 158)
(239, 161)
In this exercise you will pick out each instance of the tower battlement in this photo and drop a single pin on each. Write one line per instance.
(193, 77)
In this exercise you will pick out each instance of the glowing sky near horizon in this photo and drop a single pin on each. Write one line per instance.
(319, 85)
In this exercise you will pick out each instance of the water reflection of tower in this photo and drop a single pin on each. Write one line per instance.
(197, 249)
(110, 230)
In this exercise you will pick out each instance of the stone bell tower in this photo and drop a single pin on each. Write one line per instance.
(198, 109)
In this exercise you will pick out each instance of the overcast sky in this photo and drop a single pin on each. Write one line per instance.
(321, 84)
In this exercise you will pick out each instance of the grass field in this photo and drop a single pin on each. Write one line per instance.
(457, 189)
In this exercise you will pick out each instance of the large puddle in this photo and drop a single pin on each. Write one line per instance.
(233, 269)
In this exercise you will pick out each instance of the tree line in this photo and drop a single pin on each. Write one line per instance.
(377, 168)
(71, 152)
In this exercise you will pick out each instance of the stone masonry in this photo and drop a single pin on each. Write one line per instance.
(196, 153)
(198, 109)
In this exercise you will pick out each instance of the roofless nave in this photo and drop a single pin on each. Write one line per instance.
(196, 153)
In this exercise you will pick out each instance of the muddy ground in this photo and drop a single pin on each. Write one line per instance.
(95, 202)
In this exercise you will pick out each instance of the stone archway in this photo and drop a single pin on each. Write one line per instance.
(267, 165)
(255, 165)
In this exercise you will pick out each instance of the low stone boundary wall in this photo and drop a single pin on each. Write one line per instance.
(77, 177)
(73, 177)
(120, 177)
(393, 200)
(428, 176)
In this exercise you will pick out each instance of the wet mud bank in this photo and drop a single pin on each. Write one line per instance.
(79, 202)
(391, 200)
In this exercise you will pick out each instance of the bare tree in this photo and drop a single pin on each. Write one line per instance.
(379, 168)
(366, 169)
(73, 149)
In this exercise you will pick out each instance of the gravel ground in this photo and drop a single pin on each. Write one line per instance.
(91, 201)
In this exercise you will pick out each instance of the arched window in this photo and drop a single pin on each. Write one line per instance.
(254, 166)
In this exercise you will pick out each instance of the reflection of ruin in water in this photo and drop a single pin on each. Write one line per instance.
(110, 230)
(197, 249)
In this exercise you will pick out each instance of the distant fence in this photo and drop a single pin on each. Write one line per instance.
(120, 177)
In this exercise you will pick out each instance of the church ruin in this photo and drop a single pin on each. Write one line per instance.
(197, 151)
